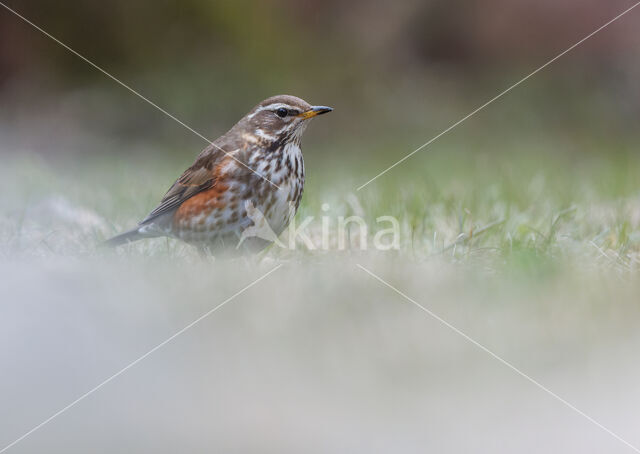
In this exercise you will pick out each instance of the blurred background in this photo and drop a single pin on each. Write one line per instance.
(521, 227)
(392, 69)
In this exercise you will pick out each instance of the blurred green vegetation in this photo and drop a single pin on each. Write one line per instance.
(523, 213)
(391, 69)
(553, 163)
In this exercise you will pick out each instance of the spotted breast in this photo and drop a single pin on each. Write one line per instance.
(253, 173)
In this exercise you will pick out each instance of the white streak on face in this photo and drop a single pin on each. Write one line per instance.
(273, 106)
(264, 135)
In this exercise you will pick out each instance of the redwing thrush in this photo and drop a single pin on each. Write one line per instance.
(257, 164)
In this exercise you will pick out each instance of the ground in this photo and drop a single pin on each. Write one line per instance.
(533, 256)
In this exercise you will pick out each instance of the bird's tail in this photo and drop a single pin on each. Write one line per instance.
(126, 237)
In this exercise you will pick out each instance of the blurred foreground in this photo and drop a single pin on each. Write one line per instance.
(315, 358)
(321, 357)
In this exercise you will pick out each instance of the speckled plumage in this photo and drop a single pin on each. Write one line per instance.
(257, 163)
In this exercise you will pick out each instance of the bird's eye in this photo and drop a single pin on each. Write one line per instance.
(282, 112)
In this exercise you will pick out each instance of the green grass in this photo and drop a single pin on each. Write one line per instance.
(526, 209)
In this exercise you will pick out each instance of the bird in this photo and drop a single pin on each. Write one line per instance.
(256, 166)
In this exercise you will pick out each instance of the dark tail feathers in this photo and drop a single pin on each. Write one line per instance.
(126, 237)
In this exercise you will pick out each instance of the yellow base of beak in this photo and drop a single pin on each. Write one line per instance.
(315, 111)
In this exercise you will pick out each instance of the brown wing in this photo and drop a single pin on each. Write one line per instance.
(197, 178)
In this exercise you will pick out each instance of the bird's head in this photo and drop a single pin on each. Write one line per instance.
(281, 119)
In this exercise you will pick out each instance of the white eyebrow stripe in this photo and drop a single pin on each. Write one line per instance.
(273, 106)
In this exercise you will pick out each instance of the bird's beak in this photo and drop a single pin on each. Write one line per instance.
(314, 111)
